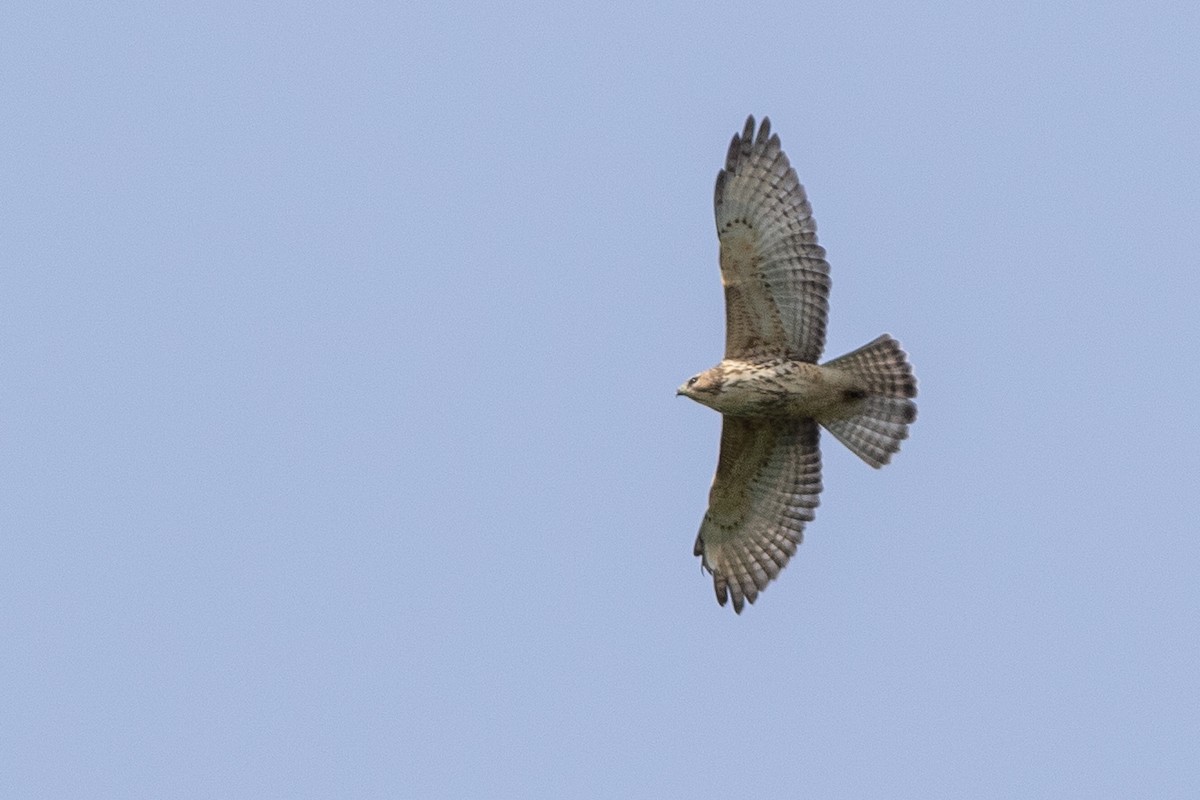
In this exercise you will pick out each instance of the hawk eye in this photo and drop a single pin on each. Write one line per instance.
(692, 380)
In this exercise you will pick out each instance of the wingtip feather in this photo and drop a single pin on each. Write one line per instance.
(764, 131)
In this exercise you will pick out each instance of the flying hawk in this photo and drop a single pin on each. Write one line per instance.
(773, 395)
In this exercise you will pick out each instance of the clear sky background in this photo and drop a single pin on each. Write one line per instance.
(338, 437)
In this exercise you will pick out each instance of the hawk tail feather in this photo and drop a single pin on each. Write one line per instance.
(878, 426)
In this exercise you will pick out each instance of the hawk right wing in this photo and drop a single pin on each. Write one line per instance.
(775, 274)
(767, 484)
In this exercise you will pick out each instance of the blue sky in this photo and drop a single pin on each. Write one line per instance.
(341, 456)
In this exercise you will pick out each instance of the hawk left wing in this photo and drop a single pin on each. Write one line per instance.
(775, 274)
(767, 484)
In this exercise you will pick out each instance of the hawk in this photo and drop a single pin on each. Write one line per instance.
(772, 393)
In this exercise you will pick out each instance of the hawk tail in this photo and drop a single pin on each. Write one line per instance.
(878, 425)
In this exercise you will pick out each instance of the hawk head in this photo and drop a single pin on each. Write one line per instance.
(705, 387)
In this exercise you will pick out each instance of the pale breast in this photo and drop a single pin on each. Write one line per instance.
(784, 388)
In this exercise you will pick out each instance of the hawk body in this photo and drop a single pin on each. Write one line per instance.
(772, 392)
(777, 387)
